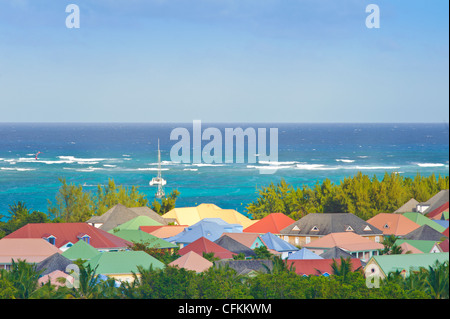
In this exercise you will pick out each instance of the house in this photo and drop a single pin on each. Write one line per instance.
(424, 246)
(211, 228)
(407, 248)
(382, 265)
(52, 263)
(204, 245)
(409, 206)
(314, 226)
(164, 231)
(191, 215)
(393, 224)
(318, 267)
(336, 253)
(425, 232)
(139, 236)
(31, 250)
(249, 267)
(251, 240)
(421, 220)
(304, 253)
(120, 265)
(358, 246)
(80, 250)
(272, 223)
(64, 235)
(54, 277)
(135, 224)
(444, 246)
(434, 202)
(120, 214)
(192, 261)
(279, 245)
(440, 213)
(234, 246)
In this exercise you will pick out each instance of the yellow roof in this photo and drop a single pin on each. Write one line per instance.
(191, 215)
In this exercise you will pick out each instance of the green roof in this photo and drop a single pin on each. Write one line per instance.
(422, 245)
(135, 223)
(139, 236)
(421, 220)
(82, 250)
(123, 262)
(392, 263)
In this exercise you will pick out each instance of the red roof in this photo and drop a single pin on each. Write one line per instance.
(204, 245)
(150, 229)
(437, 211)
(272, 223)
(311, 266)
(444, 246)
(70, 232)
(445, 232)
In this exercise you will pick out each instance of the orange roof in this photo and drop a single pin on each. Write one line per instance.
(393, 224)
(272, 223)
(192, 261)
(33, 250)
(346, 240)
(164, 231)
(319, 266)
(53, 278)
(408, 247)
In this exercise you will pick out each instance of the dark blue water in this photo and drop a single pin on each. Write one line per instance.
(90, 154)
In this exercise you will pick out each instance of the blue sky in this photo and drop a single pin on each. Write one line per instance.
(224, 61)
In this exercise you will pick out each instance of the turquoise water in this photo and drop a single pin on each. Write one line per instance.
(90, 154)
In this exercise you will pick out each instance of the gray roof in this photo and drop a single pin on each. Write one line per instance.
(52, 263)
(243, 267)
(437, 200)
(409, 206)
(321, 224)
(147, 211)
(424, 232)
(335, 253)
(120, 214)
(234, 246)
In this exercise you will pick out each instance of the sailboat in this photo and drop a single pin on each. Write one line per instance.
(159, 180)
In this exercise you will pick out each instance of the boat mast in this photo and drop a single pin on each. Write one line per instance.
(158, 180)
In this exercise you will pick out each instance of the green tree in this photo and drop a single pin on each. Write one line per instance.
(167, 203)
(20, 215)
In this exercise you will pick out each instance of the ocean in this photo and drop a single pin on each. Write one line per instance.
(91, 153)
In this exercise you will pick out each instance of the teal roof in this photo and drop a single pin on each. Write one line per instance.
(135, 223)
(421, 220)
(139, 236)
(123, 262)
(82, 250)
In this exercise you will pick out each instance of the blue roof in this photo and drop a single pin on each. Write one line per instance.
(304, 253)
(210, 228)
(443, 223)
(276, 243)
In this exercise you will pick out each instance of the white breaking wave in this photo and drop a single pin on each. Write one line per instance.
(430, 164)
(205, 164)
(345, 160)
(268, 167)
(191, 169)
(108, 165)
(17, 169)
(277, 163)
(313, 167)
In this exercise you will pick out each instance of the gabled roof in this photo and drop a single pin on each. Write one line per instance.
(276, 243)
(192, 261)
(52, 263)
(304, 253)
(424, 232)
(146, 211)
(445, 232)
(123, 262)
(68, 232)
(321, 224)
(319, 266)
(335, 253)
(210, 228)
(139, 236)
(437, 212)
(243, 267)
(272, 223)
(204, 245)
(192, 215)
(420, 219)
(436, 201)
(424, 246)
(82, 250)
(444, 246)
(234, 246)
(408, 248)
(409, 206)
(164, 231)
(393, 224)
(135, 223)
(33, 250)
(246, 239)
(345, 240)
(53, 278)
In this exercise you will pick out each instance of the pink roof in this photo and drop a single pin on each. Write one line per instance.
(272, 223)
(33, 250)
(164, 231)
(70, 232)
(204, 245)
(407, 247)
(346, 240)
(393, 224)
(53, 277)
(436, 214)
(246, 239)
(313, 266)
(192, 261)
